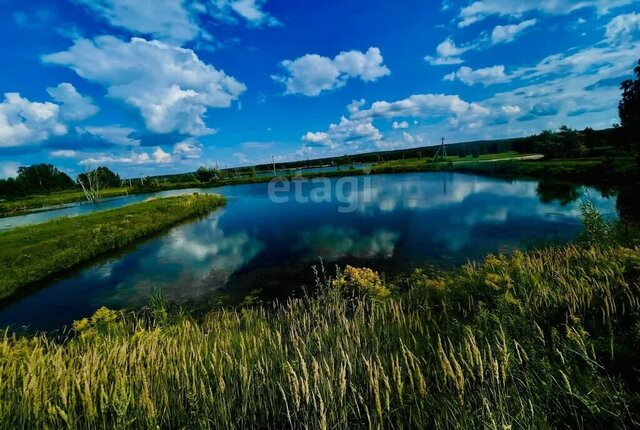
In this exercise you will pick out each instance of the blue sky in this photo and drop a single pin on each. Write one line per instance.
(150, 87)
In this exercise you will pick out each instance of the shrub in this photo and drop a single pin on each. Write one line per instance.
(595, 230)
(360, 282)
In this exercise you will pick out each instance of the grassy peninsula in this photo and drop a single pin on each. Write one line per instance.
(546, 339)
(32, 253)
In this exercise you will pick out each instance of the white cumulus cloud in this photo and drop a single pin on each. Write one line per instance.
(447, 53)
(251, 10)
(73, 106)
(188, 149)
(165, 20)
(485, 76)
(112, 133)
(508, 33)
(424, 106)
(624, 27)
(353, 132)
(312, 74)
(170, 86)
(158, 156)
(481, 9)
(63, 153)
(177, 21)
(25, 122)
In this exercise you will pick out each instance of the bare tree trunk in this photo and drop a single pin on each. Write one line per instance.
(90, 183)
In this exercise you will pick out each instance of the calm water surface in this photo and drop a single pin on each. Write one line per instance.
(396, 222)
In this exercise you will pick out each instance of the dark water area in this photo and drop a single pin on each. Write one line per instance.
(265, 242)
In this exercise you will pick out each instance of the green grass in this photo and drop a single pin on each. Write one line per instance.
(32, 253)
(25, 204)
(547, 339)
(420, 163)
(43, 202)
(588, 170)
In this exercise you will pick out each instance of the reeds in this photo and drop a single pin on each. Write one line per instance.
(540, 340)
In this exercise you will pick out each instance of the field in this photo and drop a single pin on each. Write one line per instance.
(35, 252)
(547, 339)
(587, 170)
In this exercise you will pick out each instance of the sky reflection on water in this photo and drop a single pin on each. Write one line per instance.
(398, 222)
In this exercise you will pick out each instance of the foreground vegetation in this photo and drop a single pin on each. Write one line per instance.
(547, 339)
(32, 253)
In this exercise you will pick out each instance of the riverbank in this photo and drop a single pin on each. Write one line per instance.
(33, 253)
(588, 171)
(538, 340)
(54, 200)
(36, 203)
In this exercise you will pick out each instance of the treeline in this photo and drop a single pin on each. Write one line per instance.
(45, 178)
(564, 143)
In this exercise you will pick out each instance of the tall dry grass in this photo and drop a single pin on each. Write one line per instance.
(541, 340)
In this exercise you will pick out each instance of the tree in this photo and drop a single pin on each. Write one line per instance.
(89, 181)
(629, 106)
(206, 175)
(104, 175)
(571, 143)
(42, 177)
(629, 111)
(566, 143)
(590, 138)
(9, 188)
(548, 144)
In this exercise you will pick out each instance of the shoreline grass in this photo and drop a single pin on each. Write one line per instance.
(46, 202)
(36, 203)
(546, 339)
(35, 252)
(589, 171)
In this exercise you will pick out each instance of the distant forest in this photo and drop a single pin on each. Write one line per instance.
(564, 143)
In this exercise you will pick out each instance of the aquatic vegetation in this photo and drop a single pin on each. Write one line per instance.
(32, 253)
(546, 339)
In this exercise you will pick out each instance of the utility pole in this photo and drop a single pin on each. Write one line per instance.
(273, 160)
(442, 152)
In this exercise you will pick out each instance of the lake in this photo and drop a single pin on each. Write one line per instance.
(265, 243)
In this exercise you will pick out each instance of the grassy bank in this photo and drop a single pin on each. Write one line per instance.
(45, 202)
(36, 202)
(547, 339)
(32, 253)
(618, 170)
